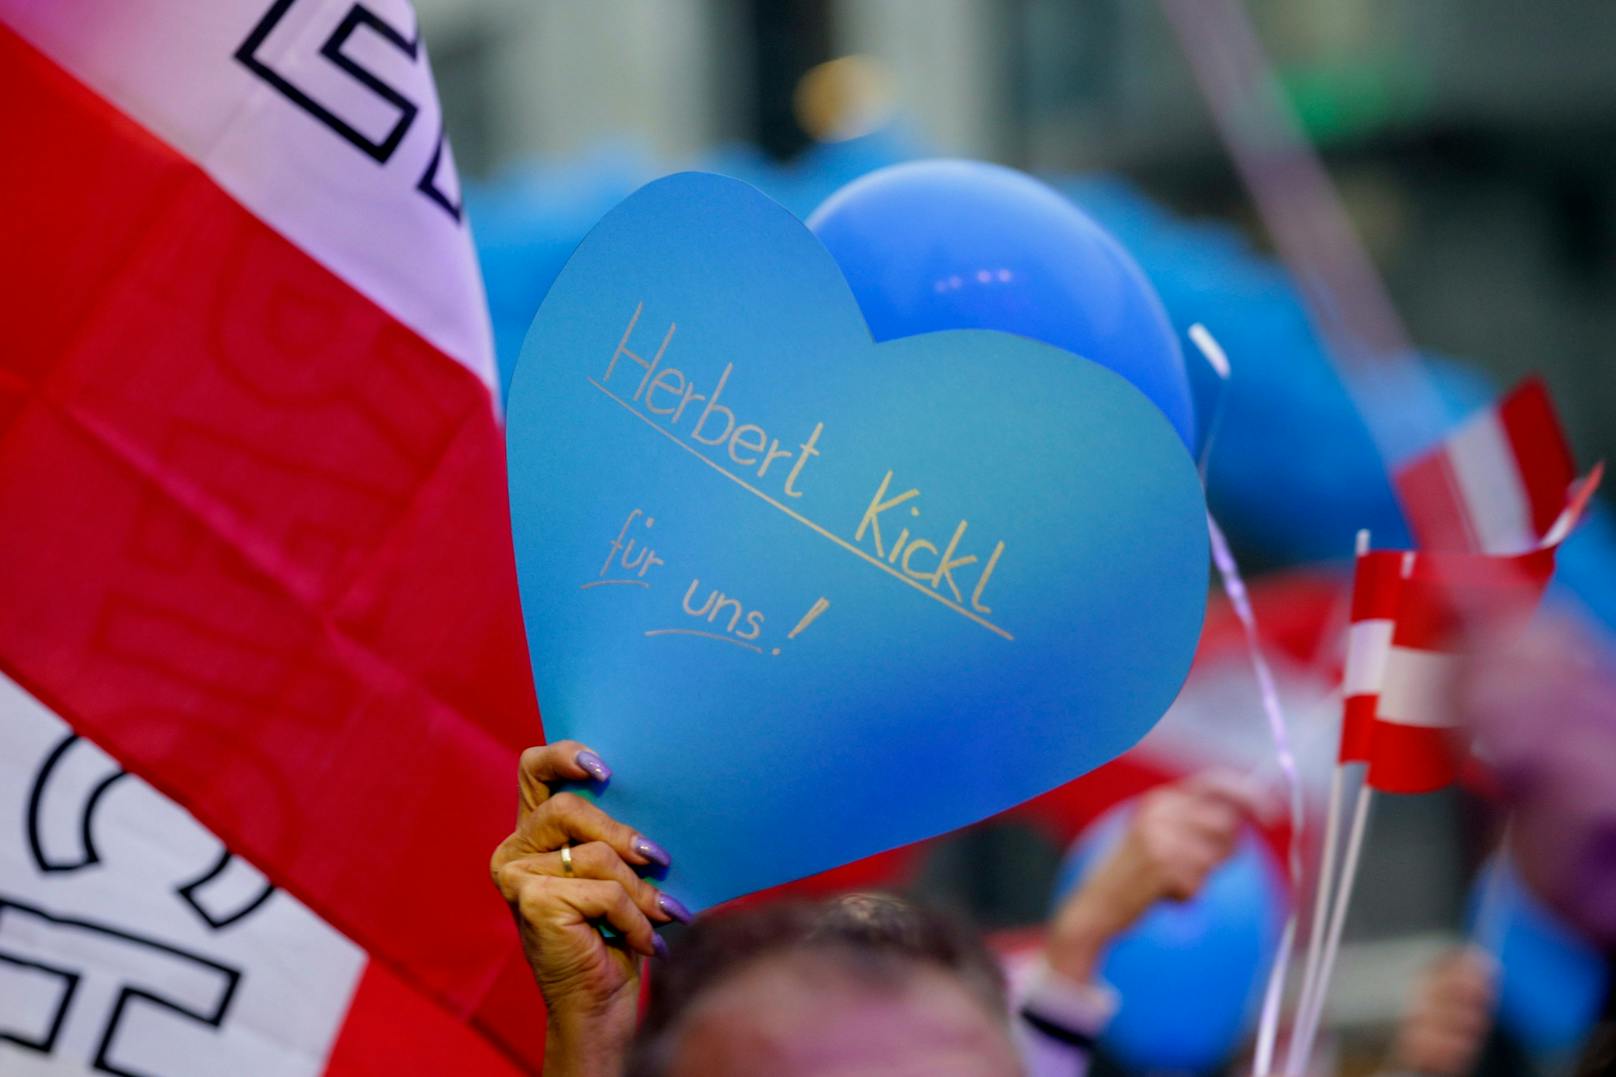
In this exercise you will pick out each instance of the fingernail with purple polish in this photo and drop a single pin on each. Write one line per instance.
(593, 763)
(674, 908)
(659, 944)
(653, 852)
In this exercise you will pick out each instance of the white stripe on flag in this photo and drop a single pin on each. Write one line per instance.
(1367, 644)
(1416, 688)
(1490, 485)
(110, 914)
(358, 177)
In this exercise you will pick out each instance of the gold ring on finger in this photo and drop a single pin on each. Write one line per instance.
(566, 859)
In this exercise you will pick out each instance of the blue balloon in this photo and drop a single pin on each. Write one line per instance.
(935, 245)
(1553, 980)
(1189, 974)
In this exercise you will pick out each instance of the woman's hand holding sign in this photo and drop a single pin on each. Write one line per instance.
(566, 868)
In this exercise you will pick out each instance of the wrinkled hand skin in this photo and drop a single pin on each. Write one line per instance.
(1176, 836)
(590, 985)
(1448, 1017)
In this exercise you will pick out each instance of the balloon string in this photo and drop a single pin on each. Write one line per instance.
(1346, 301)
(1215, 358)
(1235, 588)
(1324, 883)
(1323, 888)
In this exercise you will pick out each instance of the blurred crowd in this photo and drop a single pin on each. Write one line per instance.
(867, 983)
(1293, 473)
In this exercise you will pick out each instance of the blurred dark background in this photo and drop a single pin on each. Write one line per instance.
(1473, 141)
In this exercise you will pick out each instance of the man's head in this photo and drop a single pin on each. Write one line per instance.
(866, 984)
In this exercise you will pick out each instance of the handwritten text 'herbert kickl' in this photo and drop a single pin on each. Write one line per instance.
(674, 403)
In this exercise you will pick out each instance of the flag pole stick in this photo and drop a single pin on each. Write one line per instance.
(1273, 997)
(1321, 905)
(1234, 587)
(1294, 1063)
(1314, 1011)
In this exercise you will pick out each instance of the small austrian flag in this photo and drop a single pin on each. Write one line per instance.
(1447, 606)
(1376, 585)
(1445, 603)
(1496, 484)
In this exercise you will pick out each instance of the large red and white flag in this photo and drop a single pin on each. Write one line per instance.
(253, 530)
(133, 941)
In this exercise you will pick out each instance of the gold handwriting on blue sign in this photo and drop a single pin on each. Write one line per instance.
(743, 443)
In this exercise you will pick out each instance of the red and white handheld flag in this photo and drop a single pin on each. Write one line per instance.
(253, 528)
(1443, 605)
(1490, 506)
(1495, 499)
(1447, 601)
(1376, 583)
(1497, 483)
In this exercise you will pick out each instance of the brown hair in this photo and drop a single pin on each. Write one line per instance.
(875, 936)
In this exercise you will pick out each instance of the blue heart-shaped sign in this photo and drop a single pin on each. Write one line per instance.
(813, 597)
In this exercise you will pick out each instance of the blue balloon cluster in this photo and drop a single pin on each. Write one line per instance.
(1294, 473)
(1189, 974)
